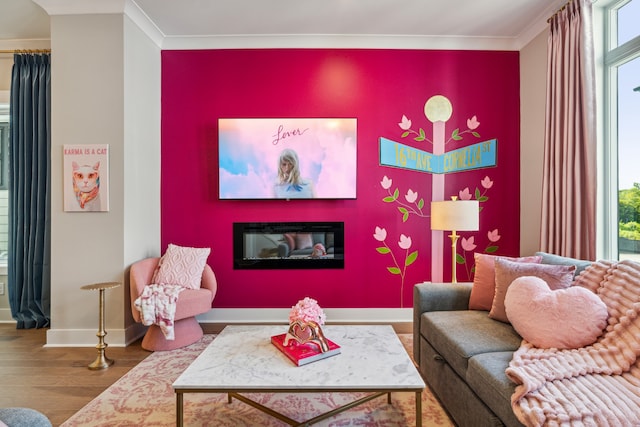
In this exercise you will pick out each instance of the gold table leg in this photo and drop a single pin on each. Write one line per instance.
(102, 361)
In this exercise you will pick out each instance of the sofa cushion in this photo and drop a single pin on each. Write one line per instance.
(484, 279)
(459, 335)
(563, 319)
(556, 276)
(485, 375)
(580, 264)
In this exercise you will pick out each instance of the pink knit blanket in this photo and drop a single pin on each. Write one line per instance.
(157, 305)
(596, 385)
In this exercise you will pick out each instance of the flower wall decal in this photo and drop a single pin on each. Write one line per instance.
(404, 243)
(438, 110)
(468, 244)
(412, 208)
(456, 135)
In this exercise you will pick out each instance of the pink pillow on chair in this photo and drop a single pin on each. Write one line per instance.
(182, 266)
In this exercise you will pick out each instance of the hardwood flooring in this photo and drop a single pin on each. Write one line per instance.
(55, 381)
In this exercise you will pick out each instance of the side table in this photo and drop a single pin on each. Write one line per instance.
(101, 361)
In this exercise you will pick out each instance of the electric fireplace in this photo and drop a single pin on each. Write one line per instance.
(288, 245)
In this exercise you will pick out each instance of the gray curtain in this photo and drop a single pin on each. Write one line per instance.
(29, 282)
(569, 176)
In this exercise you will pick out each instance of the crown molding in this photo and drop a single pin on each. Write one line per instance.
(337, 41)
(81, 7)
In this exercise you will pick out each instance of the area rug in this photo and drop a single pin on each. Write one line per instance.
(144, 397)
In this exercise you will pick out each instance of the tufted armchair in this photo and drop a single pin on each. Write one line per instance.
(191, 302)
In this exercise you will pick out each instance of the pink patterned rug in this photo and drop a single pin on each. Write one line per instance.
(144, 397)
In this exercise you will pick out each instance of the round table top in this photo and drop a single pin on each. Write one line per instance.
(99, 286)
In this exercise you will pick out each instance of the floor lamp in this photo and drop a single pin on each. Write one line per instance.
(455, 215)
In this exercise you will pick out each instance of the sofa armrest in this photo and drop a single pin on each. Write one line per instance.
(429, 296)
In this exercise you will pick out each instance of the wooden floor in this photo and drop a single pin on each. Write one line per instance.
(55, 381)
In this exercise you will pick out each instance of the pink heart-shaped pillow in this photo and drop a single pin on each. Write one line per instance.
(563, 319)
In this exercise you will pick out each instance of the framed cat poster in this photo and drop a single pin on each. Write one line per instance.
(86, 178)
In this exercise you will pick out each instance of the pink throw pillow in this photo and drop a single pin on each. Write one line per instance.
(556, 276)
(182, 266)
(484, 279)
(564, 319)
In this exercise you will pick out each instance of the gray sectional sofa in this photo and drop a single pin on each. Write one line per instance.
(462, 354)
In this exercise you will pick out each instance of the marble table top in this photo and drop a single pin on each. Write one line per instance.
(242, 358)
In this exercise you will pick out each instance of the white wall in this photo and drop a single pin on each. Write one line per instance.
(91, 71)
(142, 95)
(533, 69)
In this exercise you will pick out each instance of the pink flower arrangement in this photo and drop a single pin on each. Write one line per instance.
(307, 310)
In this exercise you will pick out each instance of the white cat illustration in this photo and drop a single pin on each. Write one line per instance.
(86, 186)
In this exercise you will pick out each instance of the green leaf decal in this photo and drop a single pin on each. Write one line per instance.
(476, 134)
(393, 270)
(405, 134)
(411, 258)
(420, 203)
(383, 250)
(389, 199)
(491, 249)
(460, 259)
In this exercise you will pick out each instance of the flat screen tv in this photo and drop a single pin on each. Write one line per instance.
(299, 158)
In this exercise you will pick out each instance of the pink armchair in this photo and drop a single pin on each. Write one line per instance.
(191, 302)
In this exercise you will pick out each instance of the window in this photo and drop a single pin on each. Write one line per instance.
(622, 138)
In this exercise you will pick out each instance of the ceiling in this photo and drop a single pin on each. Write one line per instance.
(189, 19)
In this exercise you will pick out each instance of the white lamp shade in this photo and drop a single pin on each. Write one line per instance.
(455, 215)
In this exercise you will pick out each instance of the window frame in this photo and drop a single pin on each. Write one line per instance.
(613, 56)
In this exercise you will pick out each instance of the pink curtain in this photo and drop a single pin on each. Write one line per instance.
(569, 179)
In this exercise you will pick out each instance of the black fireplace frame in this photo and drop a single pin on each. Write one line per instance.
(241, 229)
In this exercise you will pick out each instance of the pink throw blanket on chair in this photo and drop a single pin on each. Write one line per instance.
(157, 306)
(596, 385)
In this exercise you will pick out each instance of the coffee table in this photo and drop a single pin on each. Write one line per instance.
(242, 360)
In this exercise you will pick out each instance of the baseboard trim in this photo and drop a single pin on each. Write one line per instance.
(5, 316)
(216, 319)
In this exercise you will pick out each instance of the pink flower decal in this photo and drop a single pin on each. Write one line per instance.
(486, 182)
(493, 235)
(464, 194)
(405, 124)
(411, 196)
(386, 182)
(380, 234)
(405, 242)
(473, 123)
(468, 244)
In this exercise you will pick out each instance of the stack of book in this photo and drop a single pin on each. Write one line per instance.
(301, 354)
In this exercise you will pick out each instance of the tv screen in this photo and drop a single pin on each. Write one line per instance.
(298, 158)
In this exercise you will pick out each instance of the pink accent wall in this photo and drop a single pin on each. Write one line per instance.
(377, 87)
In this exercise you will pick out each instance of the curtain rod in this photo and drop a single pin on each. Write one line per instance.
(559, 10)
(563, 8)
(25, 50)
